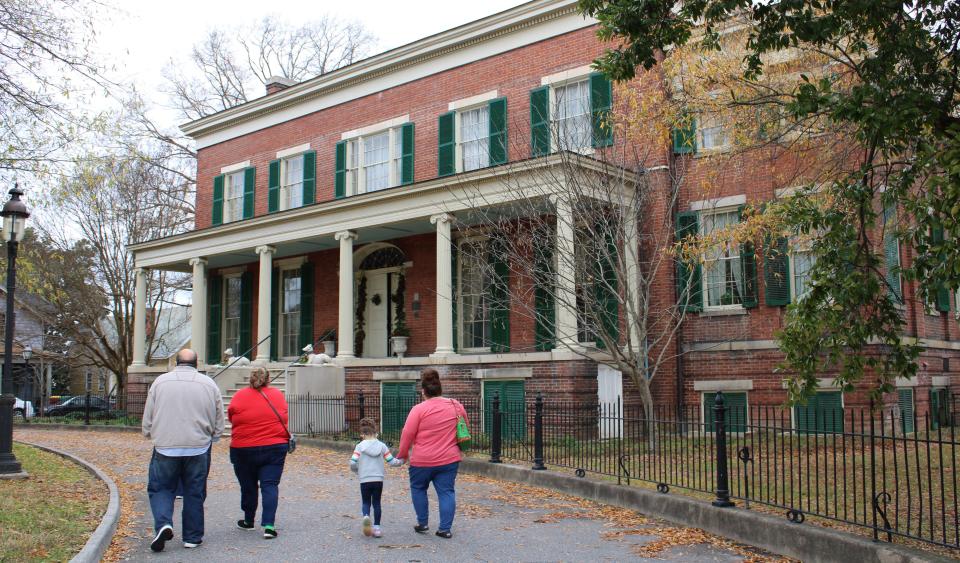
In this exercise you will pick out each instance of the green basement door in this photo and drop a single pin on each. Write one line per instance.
(396, 400)
(822, 413)
(905, 401)
(512, 405)
(735, 414)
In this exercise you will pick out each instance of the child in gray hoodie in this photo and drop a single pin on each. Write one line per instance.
(368, 462)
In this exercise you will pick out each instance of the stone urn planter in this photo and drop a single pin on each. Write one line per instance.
(399, 345)
(330, 347)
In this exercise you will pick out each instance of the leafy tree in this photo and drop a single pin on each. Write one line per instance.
(890, 78)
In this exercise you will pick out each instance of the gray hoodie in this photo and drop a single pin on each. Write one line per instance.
(368, 460)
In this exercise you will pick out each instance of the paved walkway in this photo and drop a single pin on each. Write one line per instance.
(319, 506)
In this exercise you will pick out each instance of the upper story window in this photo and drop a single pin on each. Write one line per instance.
(802, 261)
(473, 134)
(571, 112)
(292, 179)
(374, 161)
(713, 135)
(723, 281)
(233, 194)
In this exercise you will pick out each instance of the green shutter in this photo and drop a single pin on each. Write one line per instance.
(685, 136)
(274, 314)
(249, 190)
(499, 297)
(246, 316)
(689, 275)
(905, 402)
(601, 95)
(454, 294)
(306, 304)
(540, 121)
(891, 252)
(273, 187)
(606, 292)
(447, 144)
(822, 413)
(406, 153)
(340, 170)
(776, 272)
(512, 405)
(934, 409)
(735, 417)
(748, 264)
(943, 294)
(396, 400)
(309, 177)
(544, 306)
(214, 317)
(497, 113)
(217, 210)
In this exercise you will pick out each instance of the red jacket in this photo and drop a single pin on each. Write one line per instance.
(254, 422)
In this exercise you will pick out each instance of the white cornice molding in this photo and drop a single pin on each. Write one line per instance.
(472, 100)
(539, 20)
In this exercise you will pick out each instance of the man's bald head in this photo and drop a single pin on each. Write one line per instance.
(187, 357)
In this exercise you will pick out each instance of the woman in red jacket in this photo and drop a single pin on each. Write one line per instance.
(431, 430)
(258, 448)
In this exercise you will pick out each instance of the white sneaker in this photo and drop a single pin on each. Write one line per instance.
(191, 545)
(367, 524)
(376, 532)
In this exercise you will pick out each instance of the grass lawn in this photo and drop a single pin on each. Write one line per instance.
(50, 515)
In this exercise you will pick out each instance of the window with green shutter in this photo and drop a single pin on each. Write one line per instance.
(309, 192)
(446, 144)
(512, 405)
(822, 413)
(396, 400)
(497, 110)
(306, 304)
(499, 297)
(273, 187)
(217, 208)
(735, 415)
(374, 161)
(249, 191)
(606, 290)
(905, 402)
(340, 170)
(689, 275)
(776, 272)
(406, 153)
(601, 97)
(246, 316)
(684, 135)
(891, 252)
(540, 121)
(942, 294)
(939, 408)
(214, 311)
(544, 305)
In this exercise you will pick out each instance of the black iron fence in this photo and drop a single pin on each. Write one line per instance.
(125, 409)
(870, 468)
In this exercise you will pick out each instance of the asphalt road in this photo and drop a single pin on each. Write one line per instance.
(318, 518)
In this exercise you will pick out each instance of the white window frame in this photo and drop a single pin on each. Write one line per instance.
(459, 135)
(555, 123)
(357, 182)
(284, 187)
(715, 121)
(281, 330)
(228, 216)
(796, 247)
(461, 317)
(223, 314)
(705, 297)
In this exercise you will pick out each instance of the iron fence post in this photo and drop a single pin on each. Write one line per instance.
(495, 438)
(86, 410)
(360, 399)
(538, 434)
(720, 430)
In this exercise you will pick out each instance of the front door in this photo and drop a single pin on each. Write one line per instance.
(376, 316)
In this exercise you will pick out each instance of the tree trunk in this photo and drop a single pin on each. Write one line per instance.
(648, 415)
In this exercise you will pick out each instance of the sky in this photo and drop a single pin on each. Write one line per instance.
(140, 37)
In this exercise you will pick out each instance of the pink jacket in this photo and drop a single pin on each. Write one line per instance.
(431, 429)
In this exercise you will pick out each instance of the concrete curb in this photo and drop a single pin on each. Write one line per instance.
(809, 543)
(100, 540)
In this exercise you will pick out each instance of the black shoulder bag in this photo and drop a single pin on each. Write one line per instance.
(291, 439)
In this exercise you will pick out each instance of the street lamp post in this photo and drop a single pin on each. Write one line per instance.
(14, 215)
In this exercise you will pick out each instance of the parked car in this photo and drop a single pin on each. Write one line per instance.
(78, 404)
(22, 409)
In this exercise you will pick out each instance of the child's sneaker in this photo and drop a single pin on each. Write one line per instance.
(366, 526)
(376, 532)
(269, 532)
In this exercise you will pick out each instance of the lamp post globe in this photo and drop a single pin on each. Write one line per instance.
(15, 214)
(27, 353)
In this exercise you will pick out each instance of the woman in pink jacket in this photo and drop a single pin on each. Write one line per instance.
(431, 430)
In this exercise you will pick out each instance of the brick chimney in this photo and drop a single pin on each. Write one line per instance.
(278, 83)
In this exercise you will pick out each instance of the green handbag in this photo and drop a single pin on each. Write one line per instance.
(463, 431)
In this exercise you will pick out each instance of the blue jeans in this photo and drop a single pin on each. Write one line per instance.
(259, 466)
(444, 478)
(164, 476)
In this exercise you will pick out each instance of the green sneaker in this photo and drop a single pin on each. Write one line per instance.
(269, 533)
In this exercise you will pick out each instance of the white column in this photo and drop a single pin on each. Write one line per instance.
(140, 319)
(444, 285)
(198, 309)
(631, 266)
(265, 284)
(345, 322)
(566, 292)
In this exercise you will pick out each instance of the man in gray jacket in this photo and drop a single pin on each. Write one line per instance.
(183, 416)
